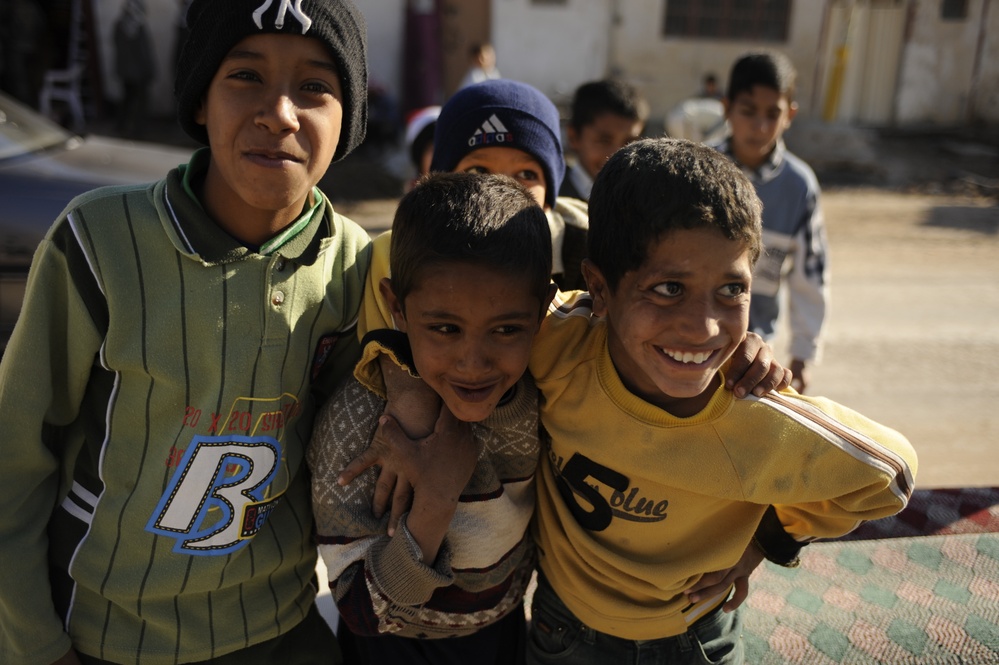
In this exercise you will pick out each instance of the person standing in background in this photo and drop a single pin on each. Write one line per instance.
(759, 108)
(135, 65)
(483, 65)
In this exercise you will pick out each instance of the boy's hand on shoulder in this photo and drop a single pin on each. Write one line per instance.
(753, 369)
(439, 464)
(391, 490)
(445, 459)
(440, 467)
(719, 581)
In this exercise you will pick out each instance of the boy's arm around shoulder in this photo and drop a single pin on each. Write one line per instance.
(43, 377)
(374, 577)
(845, 468)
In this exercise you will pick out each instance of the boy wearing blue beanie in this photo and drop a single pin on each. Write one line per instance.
(510, 128)
(177, 338)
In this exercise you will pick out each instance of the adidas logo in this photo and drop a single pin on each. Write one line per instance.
(491, 131)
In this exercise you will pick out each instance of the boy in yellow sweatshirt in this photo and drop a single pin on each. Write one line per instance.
(652, 472)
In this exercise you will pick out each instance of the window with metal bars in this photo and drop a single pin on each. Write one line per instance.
(954, 10)
(758, 20)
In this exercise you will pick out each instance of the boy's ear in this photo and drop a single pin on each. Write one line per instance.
(394, 304)
(792, 110)
(597, 286)
(727, 105)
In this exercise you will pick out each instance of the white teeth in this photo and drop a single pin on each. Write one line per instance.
(688, 357)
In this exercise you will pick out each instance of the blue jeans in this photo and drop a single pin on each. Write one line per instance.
(557, 636)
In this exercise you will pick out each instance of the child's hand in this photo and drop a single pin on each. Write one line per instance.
(439, 467)
(801, 375)
(403, 462)
(753, 369)
(390, 490)
(719, 581)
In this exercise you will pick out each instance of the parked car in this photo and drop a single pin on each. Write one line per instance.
(42, 167)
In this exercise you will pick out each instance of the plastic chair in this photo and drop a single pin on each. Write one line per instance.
(66, 85)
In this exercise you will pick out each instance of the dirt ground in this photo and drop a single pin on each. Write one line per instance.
(913, 335)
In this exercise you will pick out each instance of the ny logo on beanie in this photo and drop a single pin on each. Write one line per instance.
(296, 11)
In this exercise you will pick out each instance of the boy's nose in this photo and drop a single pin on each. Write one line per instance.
(279, 114)
(473, 360)
(699, 321)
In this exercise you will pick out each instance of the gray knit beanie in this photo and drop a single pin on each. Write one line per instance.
(218, 25)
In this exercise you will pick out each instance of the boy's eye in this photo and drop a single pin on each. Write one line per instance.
(509, 329)
(318, 87)
(527, 175)
(244, 75)
(669, 289)
(734, 290)
(478, 169)
(443, 328)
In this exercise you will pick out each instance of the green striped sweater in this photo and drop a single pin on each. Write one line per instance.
(156, 399)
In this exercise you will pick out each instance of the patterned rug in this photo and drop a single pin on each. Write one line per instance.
(919, 587)
(931, 599)
(938, 512)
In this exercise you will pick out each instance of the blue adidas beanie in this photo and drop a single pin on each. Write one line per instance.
(501, 113)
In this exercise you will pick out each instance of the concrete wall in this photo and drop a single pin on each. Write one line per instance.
(385, 19)
(937, 66)
(985, 105)
(553, 47)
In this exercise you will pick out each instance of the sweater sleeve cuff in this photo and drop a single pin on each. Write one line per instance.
(777, 545)
(383, 342)
(401, 575)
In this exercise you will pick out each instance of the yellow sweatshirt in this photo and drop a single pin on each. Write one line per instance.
(635, 504)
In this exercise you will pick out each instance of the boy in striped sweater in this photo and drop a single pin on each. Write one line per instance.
(159, 388)
(471, 264)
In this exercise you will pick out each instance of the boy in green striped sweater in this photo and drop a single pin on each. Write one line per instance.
(159, 389)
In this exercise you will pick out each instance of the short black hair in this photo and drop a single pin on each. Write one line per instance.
(772, 69)
(487, 220)
(615, 96)
(654, 186)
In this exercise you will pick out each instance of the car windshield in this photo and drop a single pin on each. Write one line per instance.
(23, 131)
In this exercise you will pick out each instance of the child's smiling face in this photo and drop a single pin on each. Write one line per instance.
(273, 113)
(674, 321)
(470, 329)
